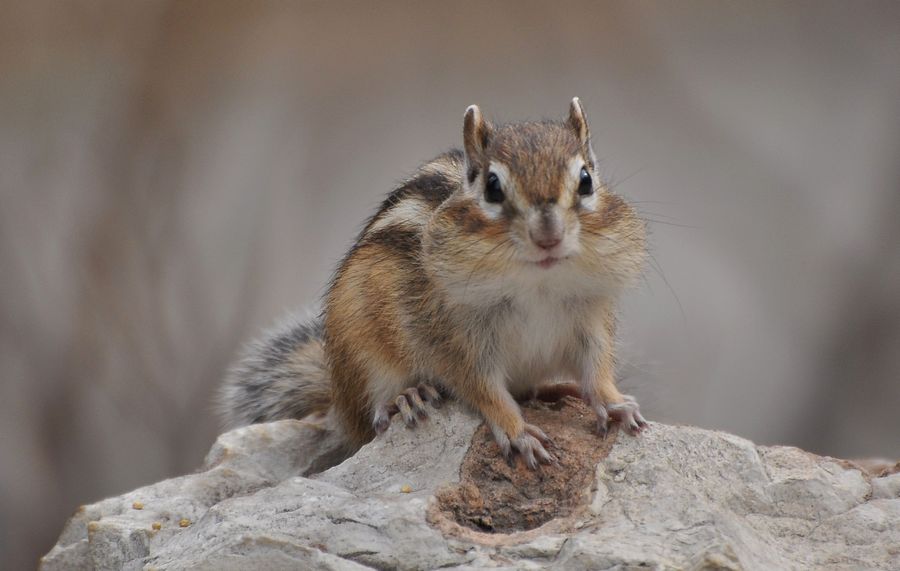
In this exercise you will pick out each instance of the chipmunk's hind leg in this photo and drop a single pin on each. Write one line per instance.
(410, 405)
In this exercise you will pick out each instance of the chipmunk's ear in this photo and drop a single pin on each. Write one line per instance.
(476, 135)
(578, 123)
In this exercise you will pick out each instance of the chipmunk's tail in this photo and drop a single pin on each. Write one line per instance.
(282, 375)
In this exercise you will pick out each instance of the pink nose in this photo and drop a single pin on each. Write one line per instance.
(547, 242)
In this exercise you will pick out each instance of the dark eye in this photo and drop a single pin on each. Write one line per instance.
(493, 191)
(585, 184)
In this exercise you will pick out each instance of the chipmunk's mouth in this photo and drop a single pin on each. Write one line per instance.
(549, 261)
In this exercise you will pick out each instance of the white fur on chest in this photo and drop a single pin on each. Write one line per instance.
(538, 341)
(541, 337)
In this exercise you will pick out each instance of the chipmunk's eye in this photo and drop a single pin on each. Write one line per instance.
(585, 183)
(493, 190)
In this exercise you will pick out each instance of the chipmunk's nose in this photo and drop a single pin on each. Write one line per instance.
(547, 242)
(548, 233)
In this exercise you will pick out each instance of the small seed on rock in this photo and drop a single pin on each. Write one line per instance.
(184, 523)
(138, 505)
(405, 489)
(156, 526)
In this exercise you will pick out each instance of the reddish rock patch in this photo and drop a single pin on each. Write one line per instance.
(876, 467)
(494, 497)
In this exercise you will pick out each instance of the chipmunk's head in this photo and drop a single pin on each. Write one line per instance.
(532, 198)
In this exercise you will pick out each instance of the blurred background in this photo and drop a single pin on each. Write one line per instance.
(175, 175)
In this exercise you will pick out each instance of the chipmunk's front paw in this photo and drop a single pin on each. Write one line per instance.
(627, 413)
(529, 444)
(410, 405)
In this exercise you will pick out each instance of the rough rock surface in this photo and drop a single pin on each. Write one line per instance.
(440, 497)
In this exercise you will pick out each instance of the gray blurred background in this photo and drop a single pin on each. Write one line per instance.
(175, 175)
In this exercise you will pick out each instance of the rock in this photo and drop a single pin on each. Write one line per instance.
(441, 497)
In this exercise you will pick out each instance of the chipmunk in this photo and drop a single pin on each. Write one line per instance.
(490, 272)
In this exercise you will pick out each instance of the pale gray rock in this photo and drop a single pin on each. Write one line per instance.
(886, 487)
(674, 498)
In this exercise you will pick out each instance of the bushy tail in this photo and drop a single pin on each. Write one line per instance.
(282, 375)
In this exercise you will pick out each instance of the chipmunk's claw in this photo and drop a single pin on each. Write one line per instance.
(382, 419)
(602, 420)
(410, 405)
(602, 429)
(628, 414)
(540, 435)
(529, 445)
(430, 394)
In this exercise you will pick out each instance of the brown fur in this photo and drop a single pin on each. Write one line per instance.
(443, 288)
(388, 316)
